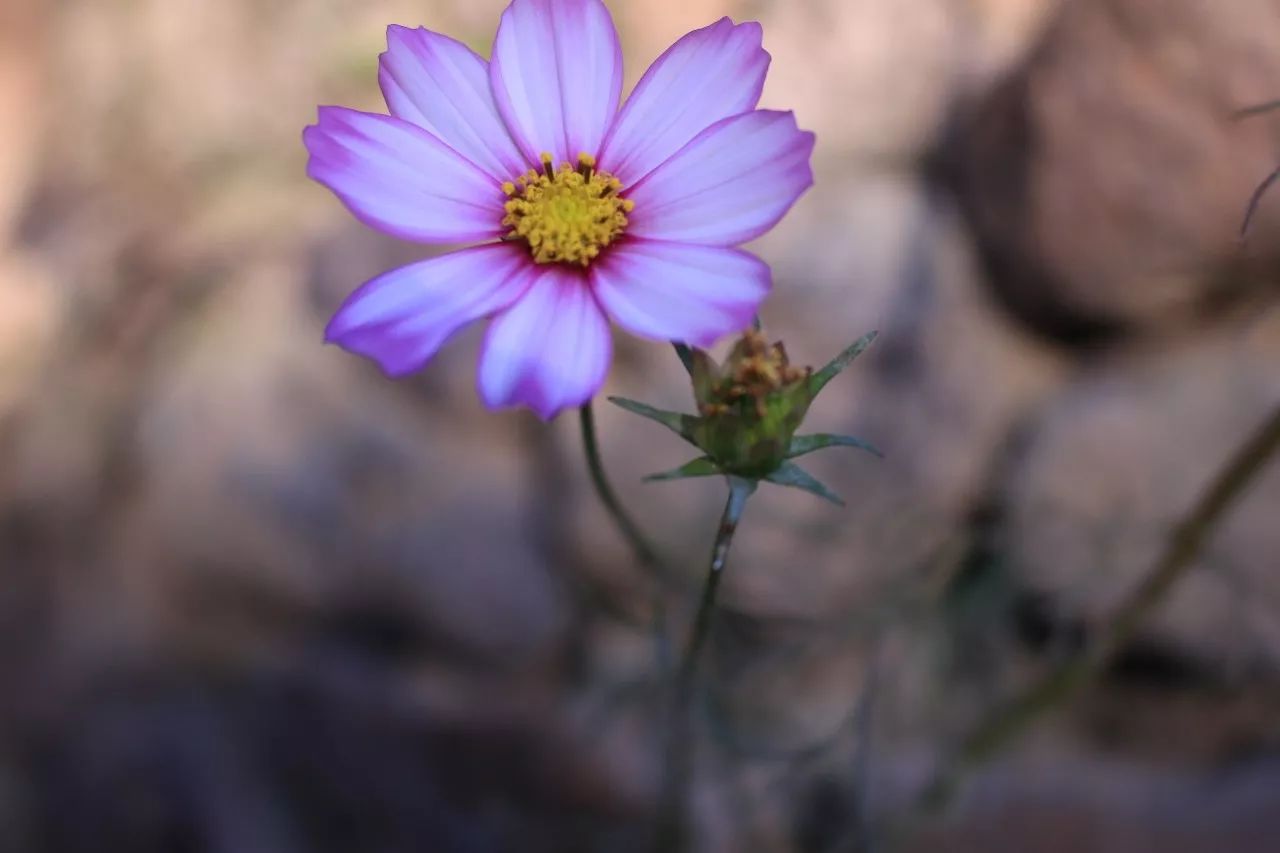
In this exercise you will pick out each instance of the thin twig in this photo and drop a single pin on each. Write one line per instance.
(1255, 200)
(864, 839)
(672, 822)
(1011, 720)
(1256, 109)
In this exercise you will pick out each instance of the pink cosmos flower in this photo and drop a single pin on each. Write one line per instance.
(584, 212)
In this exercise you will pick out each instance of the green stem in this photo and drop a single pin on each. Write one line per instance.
(645, 554)
(678, 775)
(1061, 685)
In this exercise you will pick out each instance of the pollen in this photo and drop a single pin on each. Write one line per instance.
(566, 215)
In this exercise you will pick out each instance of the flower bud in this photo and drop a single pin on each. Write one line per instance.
(749, 409)
(750, 406)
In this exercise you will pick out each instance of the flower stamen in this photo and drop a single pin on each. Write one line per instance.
(566, 215)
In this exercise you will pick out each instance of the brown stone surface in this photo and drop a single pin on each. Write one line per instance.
(1119, 458)
(24, 41)
(1106, 178)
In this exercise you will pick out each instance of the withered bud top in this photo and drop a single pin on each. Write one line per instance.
(754, 370)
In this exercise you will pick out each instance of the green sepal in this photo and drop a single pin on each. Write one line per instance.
(681, 424)
(703, 466)
(792, 475)
(753, 444)
(802, 444)
(818, 380)
(704, 374)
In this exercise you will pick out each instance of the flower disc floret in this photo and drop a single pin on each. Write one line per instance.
(566, 215)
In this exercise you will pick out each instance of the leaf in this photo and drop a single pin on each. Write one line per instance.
(839, 363)
(700, 467)
(802, 444)
(792, 475)
(680, 424)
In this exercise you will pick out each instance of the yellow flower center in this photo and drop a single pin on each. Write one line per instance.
(566, 215)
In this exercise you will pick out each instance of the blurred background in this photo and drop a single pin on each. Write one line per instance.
(256, 598)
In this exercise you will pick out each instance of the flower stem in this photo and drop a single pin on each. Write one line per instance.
(1061, 685)
(645, 554)
(678, 775)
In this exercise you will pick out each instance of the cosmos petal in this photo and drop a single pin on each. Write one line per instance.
(678, 291)
(550, 350)
(709, 74)
(402, 317)
(398, 178)
(556, 75)
(441, 85)
(731, 184)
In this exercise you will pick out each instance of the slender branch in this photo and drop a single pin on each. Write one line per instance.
(1256, 198)
(864, 715)
(671, 834)
(1061, 685)
(1255, 201)
(1256, 109)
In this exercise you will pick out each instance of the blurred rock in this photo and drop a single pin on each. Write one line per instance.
(1066, 806)
(882, 90)
(761, 666)
(879, 91)
(1114, 463)
(1107, 179)
(24, 45)
(323, 752)
(29, 313)
(998, 34)
(29, 307)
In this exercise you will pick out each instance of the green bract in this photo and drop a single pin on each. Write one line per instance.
(749, 409)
